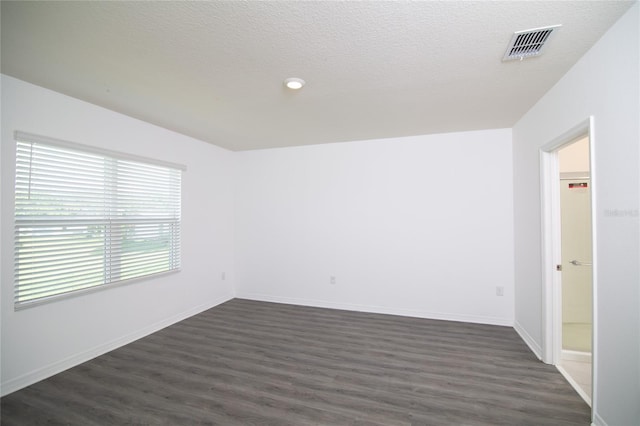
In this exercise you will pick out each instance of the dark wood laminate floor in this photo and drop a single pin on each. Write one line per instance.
(257, 363)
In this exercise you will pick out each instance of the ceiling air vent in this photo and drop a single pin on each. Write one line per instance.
(529, 43)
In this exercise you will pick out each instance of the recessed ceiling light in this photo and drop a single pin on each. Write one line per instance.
(294, 83)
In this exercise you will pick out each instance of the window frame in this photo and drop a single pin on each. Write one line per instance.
(107, 155)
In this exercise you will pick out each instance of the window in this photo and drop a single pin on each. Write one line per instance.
(86, 218)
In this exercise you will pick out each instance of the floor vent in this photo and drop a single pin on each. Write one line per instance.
(529, 43)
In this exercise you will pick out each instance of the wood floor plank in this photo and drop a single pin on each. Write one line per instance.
(256, 363)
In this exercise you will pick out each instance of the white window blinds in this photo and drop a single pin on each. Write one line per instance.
(86, 218)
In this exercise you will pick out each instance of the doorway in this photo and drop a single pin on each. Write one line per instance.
(569, 274)
(574, 360)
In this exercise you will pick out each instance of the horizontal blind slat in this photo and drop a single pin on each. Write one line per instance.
(83, 282)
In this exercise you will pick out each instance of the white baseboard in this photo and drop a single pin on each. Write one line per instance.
(377, 309)
(597, 420)
(533, 345)
(575, 356)
(59, 366)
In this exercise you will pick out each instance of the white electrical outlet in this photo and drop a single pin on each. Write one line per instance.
(223, 276)
(499, 291)
(332, 279)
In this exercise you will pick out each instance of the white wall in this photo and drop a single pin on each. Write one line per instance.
(418, 226)
(575, 157)
(43, 340)
(604, 83)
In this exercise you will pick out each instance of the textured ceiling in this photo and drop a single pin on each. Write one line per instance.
(214, 70)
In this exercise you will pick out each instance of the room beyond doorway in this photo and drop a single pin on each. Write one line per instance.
(576, 242)
(576, 278)
(572, 358)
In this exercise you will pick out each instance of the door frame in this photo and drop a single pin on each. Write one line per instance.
(551, 243)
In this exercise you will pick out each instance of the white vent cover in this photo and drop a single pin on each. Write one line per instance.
(529, 43)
